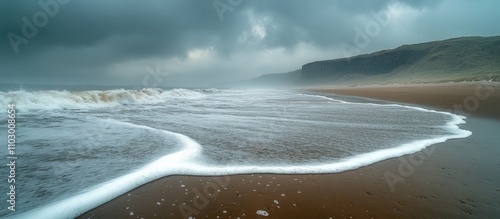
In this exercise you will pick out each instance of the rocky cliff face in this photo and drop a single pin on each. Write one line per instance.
(467, 58)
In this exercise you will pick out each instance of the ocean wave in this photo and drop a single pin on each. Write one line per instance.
(191, 158)
(52, 99)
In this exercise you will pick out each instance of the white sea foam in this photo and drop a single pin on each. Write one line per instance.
(93, 99)
(173, 163)
(262, 213)
(185, 161)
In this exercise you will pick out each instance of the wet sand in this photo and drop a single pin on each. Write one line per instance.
(460, 98)
(455, 179)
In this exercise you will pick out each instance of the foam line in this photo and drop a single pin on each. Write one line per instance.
(184, 162)
(52, 99)
(100, 194)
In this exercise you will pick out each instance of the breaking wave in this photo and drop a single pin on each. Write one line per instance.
(53, 99)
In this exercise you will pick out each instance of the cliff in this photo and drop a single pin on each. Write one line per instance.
(457, 59)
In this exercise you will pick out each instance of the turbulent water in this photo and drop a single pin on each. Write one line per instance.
(78, 149)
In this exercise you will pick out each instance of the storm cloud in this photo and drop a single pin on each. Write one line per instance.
(197, 43)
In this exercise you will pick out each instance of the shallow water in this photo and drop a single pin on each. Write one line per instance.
(76, 145)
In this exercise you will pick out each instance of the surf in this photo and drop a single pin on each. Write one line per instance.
(54, 99)
(195, 119)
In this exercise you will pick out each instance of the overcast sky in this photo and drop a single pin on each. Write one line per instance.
(196, 42)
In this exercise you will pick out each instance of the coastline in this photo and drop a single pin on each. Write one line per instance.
(463, 98)
(441, 181)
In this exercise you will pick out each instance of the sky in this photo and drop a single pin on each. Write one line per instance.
(196, 43)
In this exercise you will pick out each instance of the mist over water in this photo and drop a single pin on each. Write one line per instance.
(70, 142)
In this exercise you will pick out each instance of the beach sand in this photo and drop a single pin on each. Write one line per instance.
(460, 98)
(455, 179)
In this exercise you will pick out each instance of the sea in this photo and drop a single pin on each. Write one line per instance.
(78, 147)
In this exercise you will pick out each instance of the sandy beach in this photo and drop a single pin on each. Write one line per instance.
(465, 98)
(455, 179)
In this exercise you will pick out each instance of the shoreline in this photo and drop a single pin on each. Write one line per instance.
(440, 181)
(471, 98)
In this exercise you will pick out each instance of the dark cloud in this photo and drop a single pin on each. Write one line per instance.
(114, 41)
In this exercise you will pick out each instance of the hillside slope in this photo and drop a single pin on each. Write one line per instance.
(457, 59)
